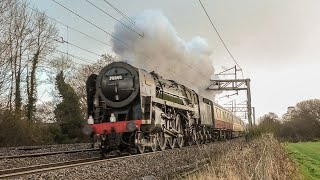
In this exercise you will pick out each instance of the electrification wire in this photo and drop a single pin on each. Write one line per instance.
(64, 41)
(74, 29)
(221, 38)
(114, 18)
(89, 22)
(125, 16)
(106, 33)
(74, 56)
(82, 48)
(109, 33)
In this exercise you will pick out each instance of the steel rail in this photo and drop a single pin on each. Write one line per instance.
(44, 167)
(46, 153)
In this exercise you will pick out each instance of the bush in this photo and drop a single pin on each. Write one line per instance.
(17, 131)
(253, 133)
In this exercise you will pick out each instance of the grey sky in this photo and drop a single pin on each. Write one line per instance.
(275, 41)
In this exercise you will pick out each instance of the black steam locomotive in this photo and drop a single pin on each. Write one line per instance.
(131, 109)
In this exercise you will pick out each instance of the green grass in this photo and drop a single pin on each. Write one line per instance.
(307, 156)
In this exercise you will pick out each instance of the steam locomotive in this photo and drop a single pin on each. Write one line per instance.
(132, 109)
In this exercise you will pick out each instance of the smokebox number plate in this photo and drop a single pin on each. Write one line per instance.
(114, 78)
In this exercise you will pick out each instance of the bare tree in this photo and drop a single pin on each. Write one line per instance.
(26, 38)
(43, 37)
(309, 109)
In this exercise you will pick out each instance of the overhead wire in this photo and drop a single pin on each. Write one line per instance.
(82, 48)
(99, 28)
(190, 66)
(125, 16)
(64, 41)
(74, 56)
(116, 37)
(224, 44)
(90, 22)
(74, 29)
(69, 43)
(113, 18)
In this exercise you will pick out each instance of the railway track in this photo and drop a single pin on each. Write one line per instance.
(9, 173)
(15, 172)
(47, 153)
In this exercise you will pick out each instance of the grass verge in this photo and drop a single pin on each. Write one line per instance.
(307, 156)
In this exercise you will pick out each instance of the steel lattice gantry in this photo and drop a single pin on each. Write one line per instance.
(234, 85)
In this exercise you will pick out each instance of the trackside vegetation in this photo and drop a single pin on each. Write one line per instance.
(260, 158)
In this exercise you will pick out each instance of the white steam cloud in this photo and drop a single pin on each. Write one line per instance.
(163, 51)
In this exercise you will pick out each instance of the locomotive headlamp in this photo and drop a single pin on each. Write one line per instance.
(112, 118)
(90, 120)
(131, 126)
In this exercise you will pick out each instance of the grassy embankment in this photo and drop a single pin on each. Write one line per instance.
(261, 158)
(307, 156)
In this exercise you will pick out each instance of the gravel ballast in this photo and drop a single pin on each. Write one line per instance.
(31, 161)
(162, 165)
(9, 151)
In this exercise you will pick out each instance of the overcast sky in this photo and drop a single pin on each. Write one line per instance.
(276, 42)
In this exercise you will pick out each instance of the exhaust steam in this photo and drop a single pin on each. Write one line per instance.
(163, 51)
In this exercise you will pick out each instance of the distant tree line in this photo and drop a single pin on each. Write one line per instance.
(302, 124)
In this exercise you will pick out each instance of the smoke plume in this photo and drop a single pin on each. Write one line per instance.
(163, 51)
